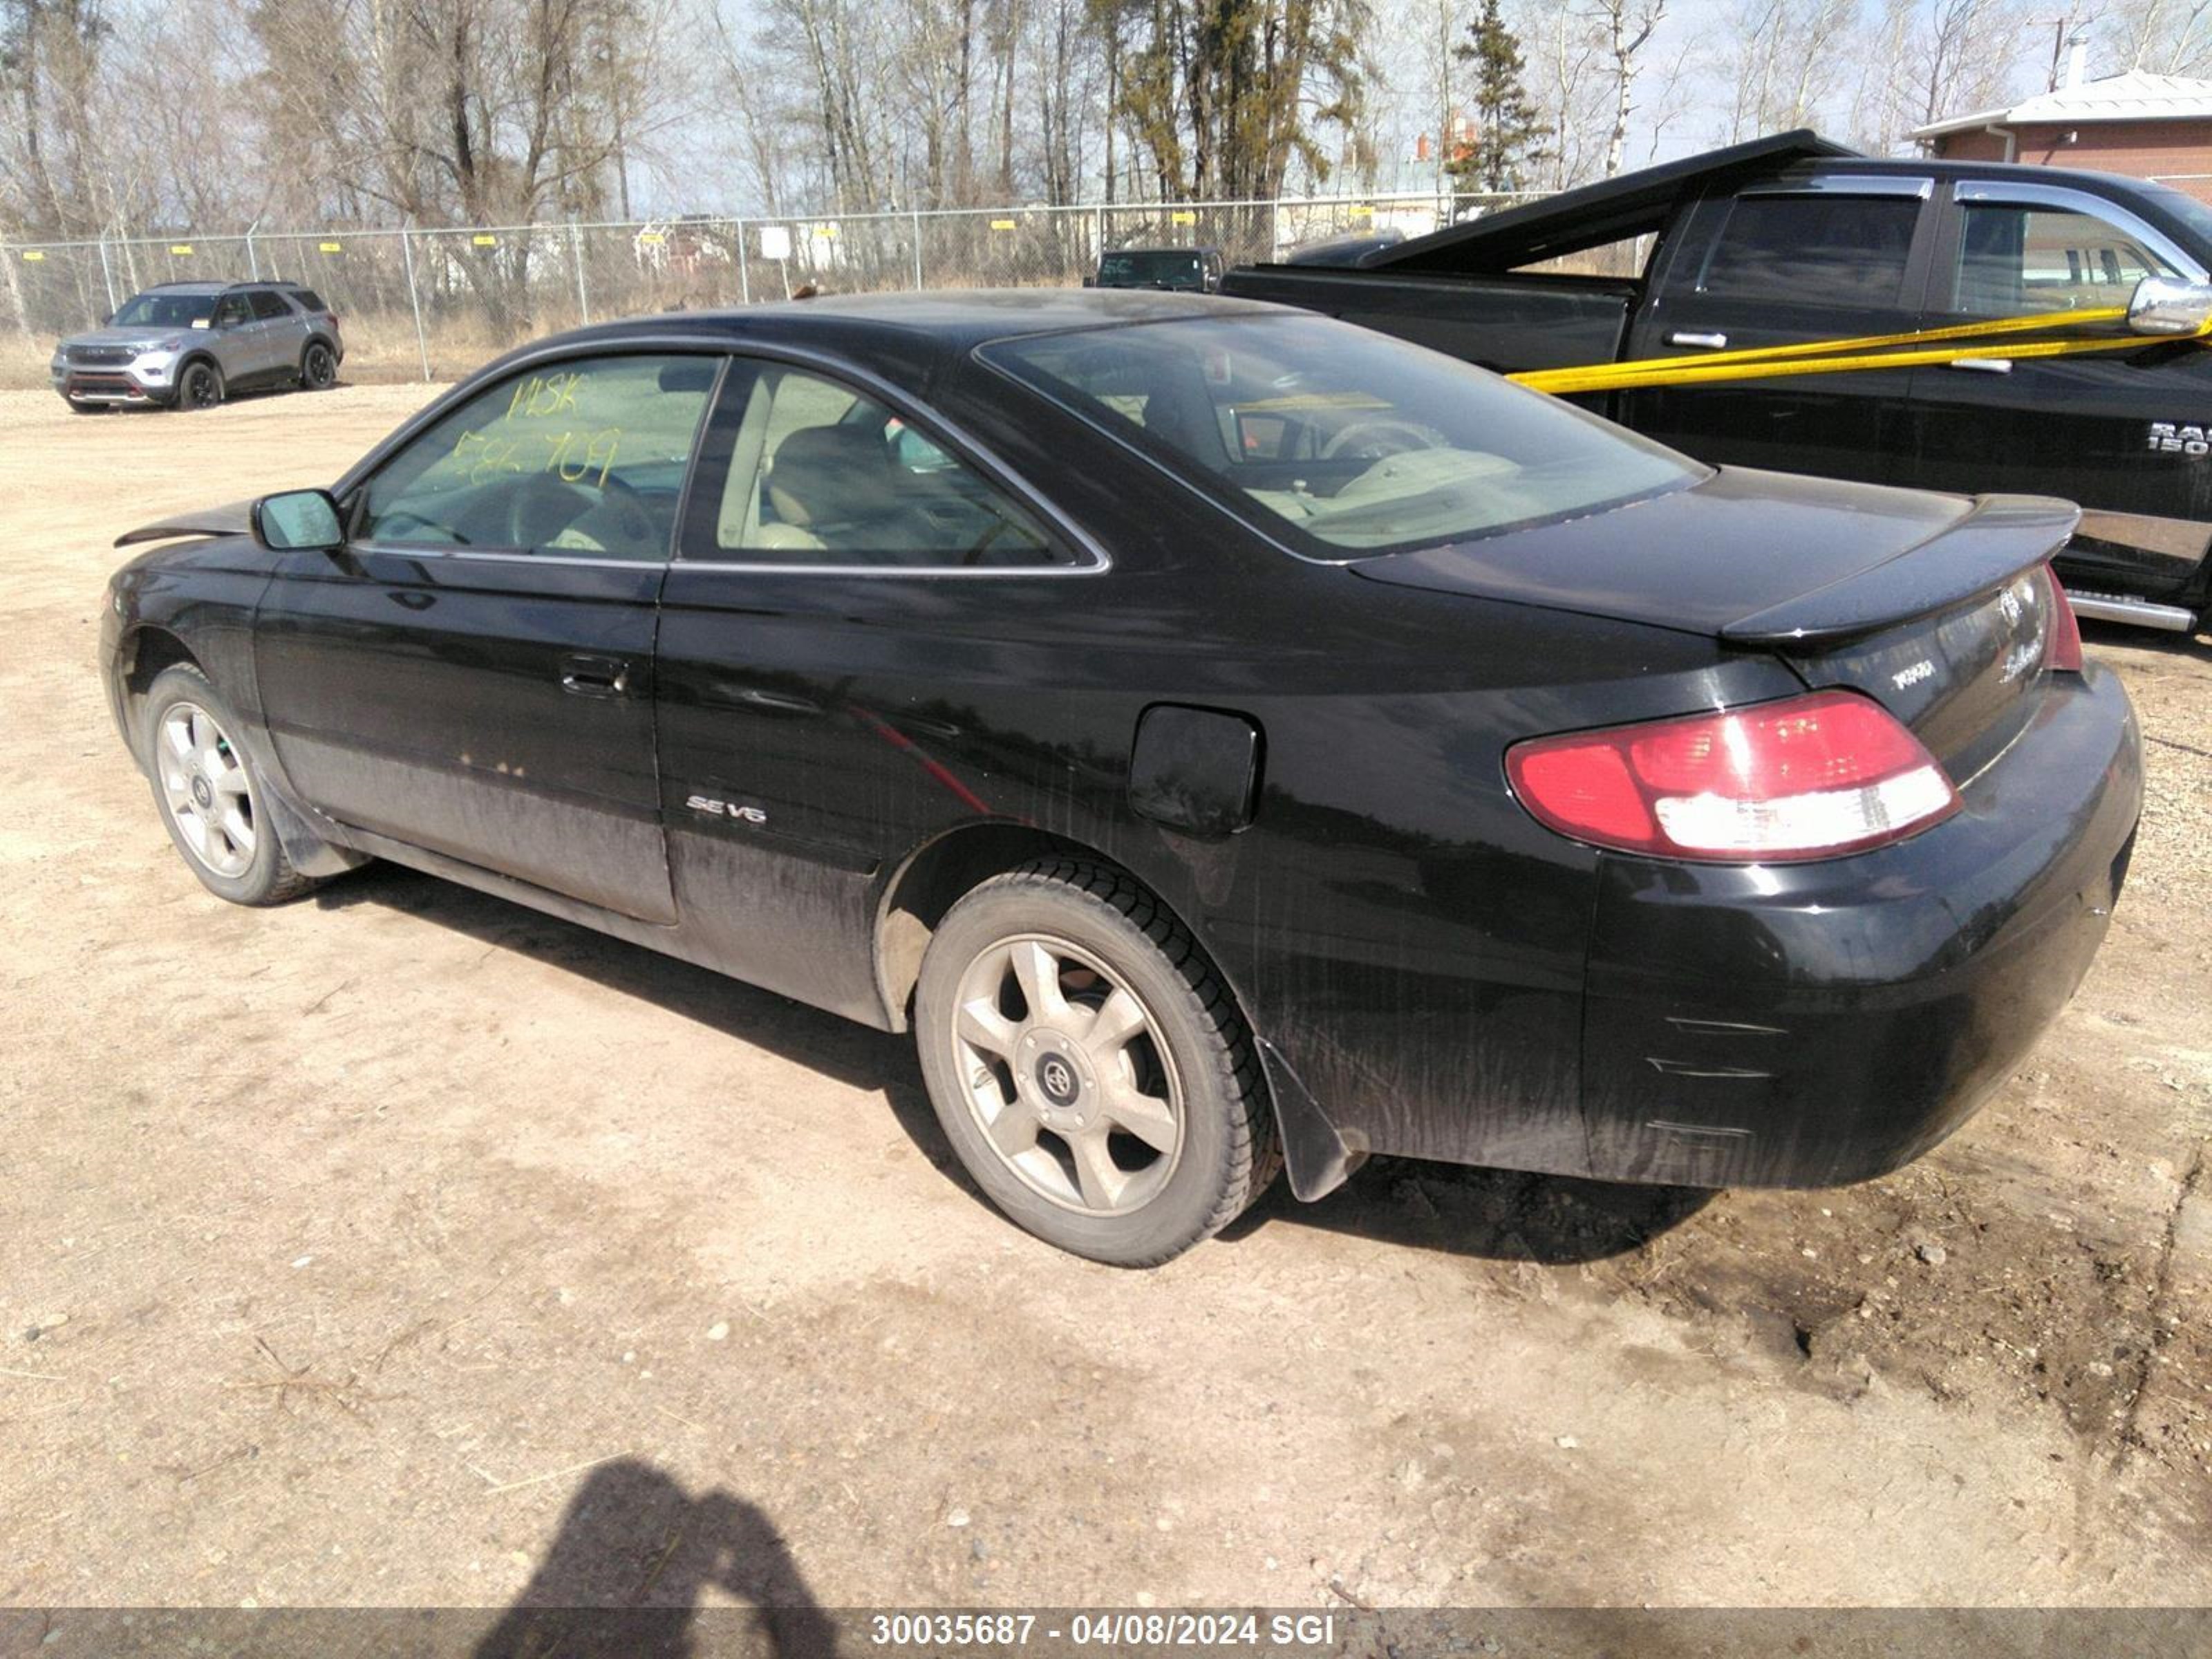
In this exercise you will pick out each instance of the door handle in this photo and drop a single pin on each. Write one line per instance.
(1689, 337)
(1986, 365)
(594, 677)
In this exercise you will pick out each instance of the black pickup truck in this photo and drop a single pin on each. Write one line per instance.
(1791, 239)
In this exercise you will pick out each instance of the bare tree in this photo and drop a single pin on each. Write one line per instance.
(1626, 26)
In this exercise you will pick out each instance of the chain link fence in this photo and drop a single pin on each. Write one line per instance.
(433, 303)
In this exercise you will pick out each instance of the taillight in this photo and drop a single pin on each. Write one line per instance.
(1810, 777)
(2064, 656)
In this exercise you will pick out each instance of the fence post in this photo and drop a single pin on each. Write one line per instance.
(252, 256)
(577, 252)
(415, 299)
(917, 247)
(106, 277)
(744, 275)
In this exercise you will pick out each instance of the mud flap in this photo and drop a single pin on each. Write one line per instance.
(1315, 1156)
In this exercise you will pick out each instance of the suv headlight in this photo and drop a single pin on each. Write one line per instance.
(160, 347)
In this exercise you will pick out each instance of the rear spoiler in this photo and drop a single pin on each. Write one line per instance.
(234, 518)
(1997, 538)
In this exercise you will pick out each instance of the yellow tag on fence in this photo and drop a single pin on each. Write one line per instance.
(1182, 218)
(180, 247)
(333, 247)
(1002, 224)
(485, 241)
(34, 255)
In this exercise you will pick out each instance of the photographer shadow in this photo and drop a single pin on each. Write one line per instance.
(624, 1576)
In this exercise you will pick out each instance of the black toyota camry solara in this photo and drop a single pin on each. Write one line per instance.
(1226, 738)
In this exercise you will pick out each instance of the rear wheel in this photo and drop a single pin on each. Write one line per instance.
(1090, 1069)
(319, 367)
(200, 386)
(211, 797)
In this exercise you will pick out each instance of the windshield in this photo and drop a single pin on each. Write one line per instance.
(1339, 440)
(165, 311)
(1168, 268)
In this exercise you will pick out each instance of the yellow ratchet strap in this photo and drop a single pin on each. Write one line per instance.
(1933, 345)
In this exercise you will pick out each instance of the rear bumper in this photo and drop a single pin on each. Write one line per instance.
(1813, 1025)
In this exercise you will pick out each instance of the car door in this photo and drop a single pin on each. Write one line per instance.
(2104, 428)
(472, 673)
(835, 647)
(282, 333)
(237, 338)
(1820, 258)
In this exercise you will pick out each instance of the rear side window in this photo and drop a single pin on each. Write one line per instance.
(813, 472)
(267, 306)
(309, 300)
(1836, 249)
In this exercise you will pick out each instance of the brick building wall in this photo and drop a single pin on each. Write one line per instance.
(2142, 149)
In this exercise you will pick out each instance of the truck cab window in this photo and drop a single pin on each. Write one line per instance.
(1847, 250)
(2015, 261)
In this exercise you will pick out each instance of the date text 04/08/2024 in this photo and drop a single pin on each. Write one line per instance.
(1291, 1631)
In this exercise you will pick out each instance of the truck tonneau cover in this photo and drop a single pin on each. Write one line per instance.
(1592, 214)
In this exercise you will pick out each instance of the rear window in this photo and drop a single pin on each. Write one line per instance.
(1834, 250)
(1166, 269)
(1337, 441)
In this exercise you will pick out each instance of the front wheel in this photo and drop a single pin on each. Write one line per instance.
(200, 386)
(1091, 1070)
(211, 798)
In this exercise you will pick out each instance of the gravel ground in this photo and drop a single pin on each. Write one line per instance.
(402, 1247)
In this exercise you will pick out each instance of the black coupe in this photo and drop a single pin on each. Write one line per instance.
(1223, 736)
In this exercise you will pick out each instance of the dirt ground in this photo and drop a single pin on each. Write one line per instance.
(342, 1246)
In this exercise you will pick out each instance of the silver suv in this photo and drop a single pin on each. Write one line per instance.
(188, 345)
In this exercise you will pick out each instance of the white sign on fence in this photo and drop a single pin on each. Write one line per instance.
(776, 242)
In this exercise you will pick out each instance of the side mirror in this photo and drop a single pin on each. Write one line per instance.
(298, 521)
(2165, 305)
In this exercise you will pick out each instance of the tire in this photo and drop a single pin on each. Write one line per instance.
(210, 795)
(319, 367)
(199, 386)
(1127, 1144)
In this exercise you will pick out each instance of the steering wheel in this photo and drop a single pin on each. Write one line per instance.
(541, 506)
(1372, 440)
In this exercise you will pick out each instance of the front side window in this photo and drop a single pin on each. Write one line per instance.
(584, 457)
(232, 310)
(1337, 440)
(1842, 250)
(2015, 261)
(814, 472)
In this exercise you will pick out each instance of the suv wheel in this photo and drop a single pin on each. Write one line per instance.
(200, 386)
(1090, 1069)
(319, 367)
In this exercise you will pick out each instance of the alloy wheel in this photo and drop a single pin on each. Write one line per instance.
(1067, 1074)
(208, 792)
(321, 367)
(200, 389)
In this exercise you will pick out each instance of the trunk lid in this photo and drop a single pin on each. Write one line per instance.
(1934, 606)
